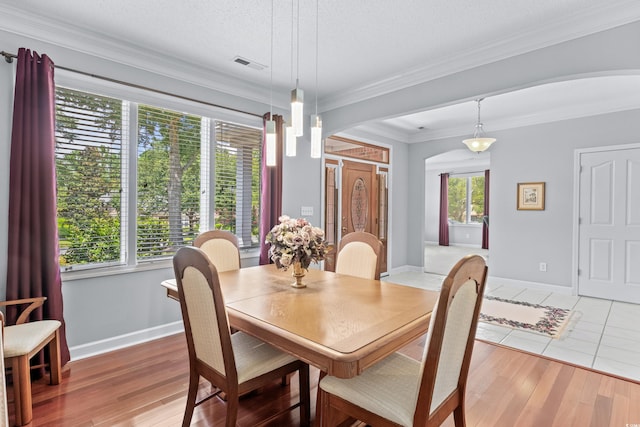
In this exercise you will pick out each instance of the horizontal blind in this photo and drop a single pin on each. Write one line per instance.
(168, 180)
(237, 181)
(89, 171)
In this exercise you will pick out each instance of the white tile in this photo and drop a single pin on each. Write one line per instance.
(624, 315)
(582, 335)
(617, 368)
(625, 333)
(532, 296)
(526, 341)
(584, 325)
(493, 333)
(561, 301)
(574, 344)
(506, 292)
(568, 355)
(619, 355)
(621, 343)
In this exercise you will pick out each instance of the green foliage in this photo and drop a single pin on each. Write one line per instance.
(93, 243)
(458, 203)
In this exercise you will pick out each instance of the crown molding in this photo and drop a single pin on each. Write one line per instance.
(118, 51)
(546, 116)
(601, 17)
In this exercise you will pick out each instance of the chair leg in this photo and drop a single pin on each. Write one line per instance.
(458, 416)
(22, 389)
(305, 395)
(194, 380)
(54, 359)
(232, 409)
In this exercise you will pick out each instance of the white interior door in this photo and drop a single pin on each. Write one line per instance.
(609, 227)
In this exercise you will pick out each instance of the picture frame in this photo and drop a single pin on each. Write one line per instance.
(530, 196)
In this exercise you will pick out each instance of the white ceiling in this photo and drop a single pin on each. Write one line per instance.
(364, 48)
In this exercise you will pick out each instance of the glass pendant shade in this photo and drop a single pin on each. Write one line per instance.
(271, 143)
(478, 143)
(297, 110)
(316, 137)
(290, 141)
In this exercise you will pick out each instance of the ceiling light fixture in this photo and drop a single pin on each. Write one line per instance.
(478, 143)
(289, 132)
(297, 94)
(316, 122)
(270, 124)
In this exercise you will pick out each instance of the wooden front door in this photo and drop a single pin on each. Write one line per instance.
(360, 202)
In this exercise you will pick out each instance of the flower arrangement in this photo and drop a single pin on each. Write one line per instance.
(295, 240)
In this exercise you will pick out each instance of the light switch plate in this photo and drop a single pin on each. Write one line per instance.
(306, 210)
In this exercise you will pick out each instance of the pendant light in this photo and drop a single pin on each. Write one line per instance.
(297, 94)
(290, 138)
(478, 143)
(316, 122)
(270, 124)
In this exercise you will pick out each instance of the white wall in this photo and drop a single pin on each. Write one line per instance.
(520, 240)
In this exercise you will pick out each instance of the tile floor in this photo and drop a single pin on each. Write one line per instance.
(601, 334)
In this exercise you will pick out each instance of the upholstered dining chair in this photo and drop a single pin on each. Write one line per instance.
(234, 364)
(20, 343)
(359, 255)
(4, 403)
(401, 391)
(221, 247)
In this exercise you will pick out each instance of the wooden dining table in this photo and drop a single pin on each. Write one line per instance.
(340, 324)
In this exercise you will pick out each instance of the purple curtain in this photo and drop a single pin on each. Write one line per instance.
(271, 190)
(444, 210)
(33, 269)
(485, 220)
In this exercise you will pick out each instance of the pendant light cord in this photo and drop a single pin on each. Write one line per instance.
(317, 44)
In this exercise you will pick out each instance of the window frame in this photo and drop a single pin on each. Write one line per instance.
(468, 176)
(136, 96)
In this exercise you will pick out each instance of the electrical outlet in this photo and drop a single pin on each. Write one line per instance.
(306, 210)
(543, 266)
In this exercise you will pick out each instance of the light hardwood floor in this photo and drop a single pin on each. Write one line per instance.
(146, 385)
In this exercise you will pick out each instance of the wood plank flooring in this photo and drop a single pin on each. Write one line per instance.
(146, 385)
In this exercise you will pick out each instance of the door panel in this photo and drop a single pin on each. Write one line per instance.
(361, 197)
(609, 229)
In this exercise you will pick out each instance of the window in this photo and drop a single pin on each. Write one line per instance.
(164, 175)
(466, 199)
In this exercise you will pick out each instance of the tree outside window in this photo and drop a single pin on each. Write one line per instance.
(466, 199)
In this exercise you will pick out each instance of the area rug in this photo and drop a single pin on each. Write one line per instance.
(525, 316)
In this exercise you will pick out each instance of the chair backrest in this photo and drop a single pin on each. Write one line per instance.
(449, 344)
(359, 255)
(221, 247)
(204, 314)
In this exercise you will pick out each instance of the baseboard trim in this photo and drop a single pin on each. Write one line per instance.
(115, 343)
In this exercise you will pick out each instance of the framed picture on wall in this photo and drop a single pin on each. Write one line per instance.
(531, 196)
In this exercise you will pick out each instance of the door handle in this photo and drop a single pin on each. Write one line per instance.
(344, 230)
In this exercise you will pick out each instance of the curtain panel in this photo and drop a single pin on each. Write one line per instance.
(485, 220)
(271, 190)
(443, 238)
(33, 268)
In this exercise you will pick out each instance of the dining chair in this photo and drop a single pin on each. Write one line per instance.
(234, 364)
(359, 255)
(401, 391)
(20, 343)
(221, 247)
(4, 403)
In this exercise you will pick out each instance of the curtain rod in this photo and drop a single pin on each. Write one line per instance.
(463, 173)
(10, 56)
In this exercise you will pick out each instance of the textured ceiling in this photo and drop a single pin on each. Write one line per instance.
(364, 47)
